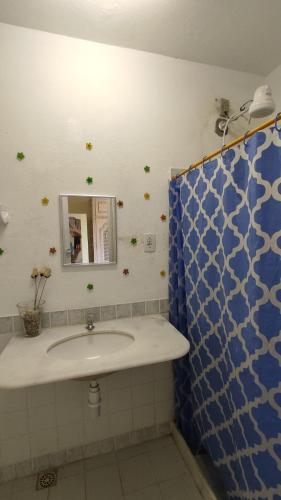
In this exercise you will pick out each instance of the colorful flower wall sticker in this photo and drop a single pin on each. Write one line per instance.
(163, 217)
(147, 169)
(89, 146)
(52, 250)
(20, 156)
(120, 204)
(89, 180)
(134, 242)
(90, 286)
(125, 272)
(162, 274)
(146, 196)
(1, 251)
(45, 201)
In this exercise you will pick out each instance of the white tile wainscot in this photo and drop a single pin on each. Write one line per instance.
(53, 423)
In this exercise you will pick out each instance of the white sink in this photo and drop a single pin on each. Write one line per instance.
(71, 352)
(92, 345)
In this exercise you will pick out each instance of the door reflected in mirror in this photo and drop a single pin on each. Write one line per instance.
(88, 229)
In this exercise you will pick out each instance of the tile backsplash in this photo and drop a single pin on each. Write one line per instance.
(12, 324)
(54, 419)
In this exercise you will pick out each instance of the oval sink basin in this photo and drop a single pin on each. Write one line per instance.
(90, 345)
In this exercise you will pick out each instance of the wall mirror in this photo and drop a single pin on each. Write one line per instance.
(88, 225)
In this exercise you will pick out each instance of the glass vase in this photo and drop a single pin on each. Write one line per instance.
(31, 318)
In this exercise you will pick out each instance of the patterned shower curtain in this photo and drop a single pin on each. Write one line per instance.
(225, 297)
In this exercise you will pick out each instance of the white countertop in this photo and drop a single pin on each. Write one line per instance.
(26, 362)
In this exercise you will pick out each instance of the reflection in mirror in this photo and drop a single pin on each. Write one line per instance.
(88, 229)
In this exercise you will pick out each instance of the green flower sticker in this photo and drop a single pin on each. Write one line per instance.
(89, 180)
(1, 251)
(20, 156)
(134, 242)
(90, 286)
(147, 169)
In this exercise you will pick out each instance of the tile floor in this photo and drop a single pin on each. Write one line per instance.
(150, 471)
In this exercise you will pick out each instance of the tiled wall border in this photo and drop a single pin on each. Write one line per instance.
(12, 324)
(29, 467)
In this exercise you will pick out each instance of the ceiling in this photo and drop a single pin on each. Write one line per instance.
(238, 34)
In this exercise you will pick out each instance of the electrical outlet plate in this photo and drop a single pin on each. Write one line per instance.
(149, 242)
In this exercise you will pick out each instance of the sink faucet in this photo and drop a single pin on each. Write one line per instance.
(90, 323)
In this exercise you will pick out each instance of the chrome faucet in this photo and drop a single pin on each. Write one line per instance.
(90, 323)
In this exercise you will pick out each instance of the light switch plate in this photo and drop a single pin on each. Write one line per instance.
(149, 242)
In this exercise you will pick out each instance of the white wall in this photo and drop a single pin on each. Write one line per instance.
(137, 108)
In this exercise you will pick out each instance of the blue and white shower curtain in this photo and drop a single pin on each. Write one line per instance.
(225, 297)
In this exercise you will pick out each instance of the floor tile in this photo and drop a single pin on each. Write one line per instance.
(131, 451)
(167, 463)
(159, 444)
(25, 483)
(6, 490)
(100, 461)
(150, 493)
(72, 469)
(30, 495)
(136, 473)
(104, 484)
(181, 488)
(148, 471)
(69, 488)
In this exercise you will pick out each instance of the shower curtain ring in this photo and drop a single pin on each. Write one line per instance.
(244, 139)
(276, 119)
(224, 148)
(190, 167)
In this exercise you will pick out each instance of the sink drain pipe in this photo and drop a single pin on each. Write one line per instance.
(94, 399)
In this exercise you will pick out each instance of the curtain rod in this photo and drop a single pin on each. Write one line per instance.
(230, 145)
